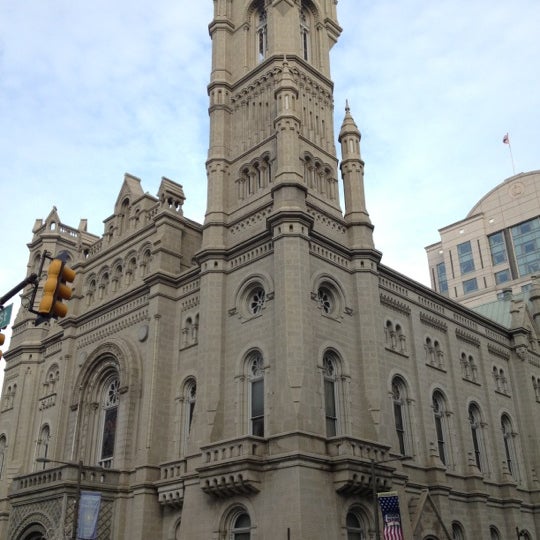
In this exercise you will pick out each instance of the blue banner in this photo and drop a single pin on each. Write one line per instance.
(89, 504)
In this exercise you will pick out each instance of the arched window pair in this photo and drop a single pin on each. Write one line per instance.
(261, 33)
(395, 337)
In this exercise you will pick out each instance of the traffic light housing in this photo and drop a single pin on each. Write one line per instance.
(55, 289)
(2, 341)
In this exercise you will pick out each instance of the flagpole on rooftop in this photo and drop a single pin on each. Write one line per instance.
(506, 140)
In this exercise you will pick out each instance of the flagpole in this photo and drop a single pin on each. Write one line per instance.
(506, 140)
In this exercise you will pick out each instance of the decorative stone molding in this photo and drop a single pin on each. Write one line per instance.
(434, 322)
(395, 304)
(468, 338)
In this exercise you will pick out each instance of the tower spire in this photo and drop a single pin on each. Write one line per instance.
(352, 171)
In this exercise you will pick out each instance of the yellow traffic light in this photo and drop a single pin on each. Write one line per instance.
(2, 341)
(55, 289)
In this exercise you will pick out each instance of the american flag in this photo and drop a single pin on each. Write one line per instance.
(389, 503)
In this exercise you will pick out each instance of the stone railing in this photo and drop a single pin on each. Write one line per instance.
(232, 467)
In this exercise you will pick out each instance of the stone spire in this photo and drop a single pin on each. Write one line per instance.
(352, 171)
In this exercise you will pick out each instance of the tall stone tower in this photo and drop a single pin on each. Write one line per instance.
(277, 321)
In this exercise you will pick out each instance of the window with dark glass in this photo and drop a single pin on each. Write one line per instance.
(470, 285)
(526, 240)
(398, 398)
(465, 255)
(497, 247)
(256, 383)
(262, 34)
(241, 527)
(330, 397)
(441, 278)
(110, 417)
(503, 276)
(438, 413)
(355, 527)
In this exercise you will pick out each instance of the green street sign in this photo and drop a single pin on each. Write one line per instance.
(5, 316)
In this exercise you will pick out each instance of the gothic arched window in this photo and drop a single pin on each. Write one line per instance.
(3, 446)
(401, 415)
(330, 365)
(262, 33)
(356, 528)
(441, 426)
(256, 393)
(109, 419)
(457, 531)
(509, 446)
(190, 397)
(475, 421)
(43, 443)
(305, 34)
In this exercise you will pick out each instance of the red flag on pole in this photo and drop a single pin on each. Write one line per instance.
(506, 139)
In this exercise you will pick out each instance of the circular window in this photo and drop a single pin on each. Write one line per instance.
(325, 299)
(256, 298)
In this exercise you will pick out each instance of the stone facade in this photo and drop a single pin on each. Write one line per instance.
(251, 376)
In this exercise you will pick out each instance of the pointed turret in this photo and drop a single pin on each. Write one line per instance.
(352, 171)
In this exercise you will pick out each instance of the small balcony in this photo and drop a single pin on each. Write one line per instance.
(170, 485)
(232, 467)
(352, 461)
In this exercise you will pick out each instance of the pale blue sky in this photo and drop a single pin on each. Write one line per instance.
(89, 91)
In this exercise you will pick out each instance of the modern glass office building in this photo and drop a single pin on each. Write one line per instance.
(495, 248)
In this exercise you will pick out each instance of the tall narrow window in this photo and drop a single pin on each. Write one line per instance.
(304, 34)
(262, 34)
(465, 254)
(476, 434)
(190, 395)
(43, 443)
(330, 406)
(356, 530)
(241, 527)
(457, 532)
(256, 386)
(439, 412)
(110, 400)
(442, 278)
(399, 399)
(3, 445)
(509, 446)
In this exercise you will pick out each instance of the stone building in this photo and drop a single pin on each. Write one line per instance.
(495, 248)
(247, 378)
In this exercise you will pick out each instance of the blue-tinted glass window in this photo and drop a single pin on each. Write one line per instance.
(470, 285)
(526, 239)
(503, 276)
(498, 248)
(441, 278)
(466, 262)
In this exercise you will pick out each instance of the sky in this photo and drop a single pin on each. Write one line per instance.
(91, 90)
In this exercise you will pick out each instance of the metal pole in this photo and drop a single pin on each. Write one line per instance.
(375, 502)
